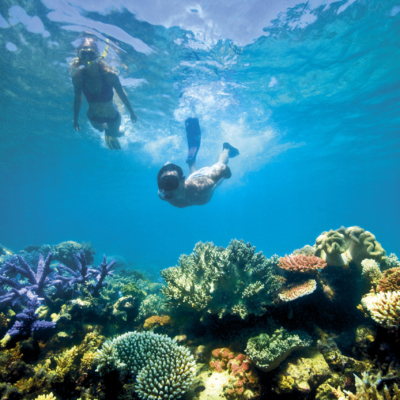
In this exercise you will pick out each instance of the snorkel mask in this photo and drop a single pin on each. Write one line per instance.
(88, 55)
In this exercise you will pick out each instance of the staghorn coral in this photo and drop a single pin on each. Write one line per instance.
(268, 351)
(28, 321)
(301, 264)
(163, 369)
(371, 271)
(367, 389)
(296, 290)
(384, 308)
(214, 280)
(390, 281)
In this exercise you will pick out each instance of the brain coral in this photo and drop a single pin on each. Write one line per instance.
(214, 280)
(301, 263)
(384, 308)
(269, 351)
(163, 369)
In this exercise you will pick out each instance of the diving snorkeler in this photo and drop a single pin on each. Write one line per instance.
(199, 187)
(97, 81)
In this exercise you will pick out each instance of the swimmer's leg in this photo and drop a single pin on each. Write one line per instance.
(193, 134)
(228, 152)
(100, 126)
(112, 133)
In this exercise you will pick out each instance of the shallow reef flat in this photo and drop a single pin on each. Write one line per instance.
(224, 323)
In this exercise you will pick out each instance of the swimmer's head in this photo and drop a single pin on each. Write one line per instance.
(169, 177)
(88, 51)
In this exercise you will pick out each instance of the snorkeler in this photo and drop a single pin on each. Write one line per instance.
(199, 187)
(97, 81)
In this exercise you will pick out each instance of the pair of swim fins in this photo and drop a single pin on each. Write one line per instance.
(112, 142)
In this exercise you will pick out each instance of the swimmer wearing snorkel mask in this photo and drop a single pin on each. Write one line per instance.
(97, 82)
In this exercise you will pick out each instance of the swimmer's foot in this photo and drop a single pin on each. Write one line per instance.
(233, 151)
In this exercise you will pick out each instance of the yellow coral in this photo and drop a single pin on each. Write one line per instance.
(46, 397)
(384, 307)
(371, 270)
(87, 360)
(64, 361)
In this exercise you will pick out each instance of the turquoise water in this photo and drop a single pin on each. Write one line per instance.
(308, 92)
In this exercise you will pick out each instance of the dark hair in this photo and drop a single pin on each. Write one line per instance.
(169, 182)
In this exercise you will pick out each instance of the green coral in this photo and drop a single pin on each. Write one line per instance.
(163, 369)
(132, 289)
(152, 305)
(268, 351)
(214, 280)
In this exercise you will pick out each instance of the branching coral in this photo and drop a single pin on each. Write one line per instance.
(28, 321)
(296, 290)
(235, 280)
(384, 308)
(301, 264)
(367, 389)
(371, 271)
(163, 369)
(268, 351)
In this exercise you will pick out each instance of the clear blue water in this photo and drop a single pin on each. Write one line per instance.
(308, 92)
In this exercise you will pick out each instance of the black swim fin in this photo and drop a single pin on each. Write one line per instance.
(233, 151)
(193, 134)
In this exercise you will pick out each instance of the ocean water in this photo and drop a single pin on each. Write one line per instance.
(307, 91)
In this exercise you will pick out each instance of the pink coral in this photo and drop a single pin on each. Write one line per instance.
(296, 290)
(302, 263)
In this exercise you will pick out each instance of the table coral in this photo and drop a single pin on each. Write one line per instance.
(295, 290)
(303, 264)
(163, 369)
(384, 308)
(214, 280)
(268, 351)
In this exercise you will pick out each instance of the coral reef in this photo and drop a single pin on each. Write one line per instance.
(28, 321)
(163, 369)
(345, 245)
(302, 375)
(155, 320)
(295, 290)
(390, 281)
(367, 389)
(384, 308)
(243, 378)
(213, 280)
(64, 252)
(268, 351)
(302, 264)
(371, 271)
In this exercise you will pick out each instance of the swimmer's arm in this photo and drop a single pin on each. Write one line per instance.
(120, 92)
(77, 82)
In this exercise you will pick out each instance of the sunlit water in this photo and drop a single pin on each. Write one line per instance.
(309, 93)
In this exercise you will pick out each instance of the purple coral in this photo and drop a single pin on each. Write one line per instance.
(28, 321)
(102, 272)
(37, 281)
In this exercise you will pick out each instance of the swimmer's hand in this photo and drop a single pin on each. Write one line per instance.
(133, 117)
(77, 126)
